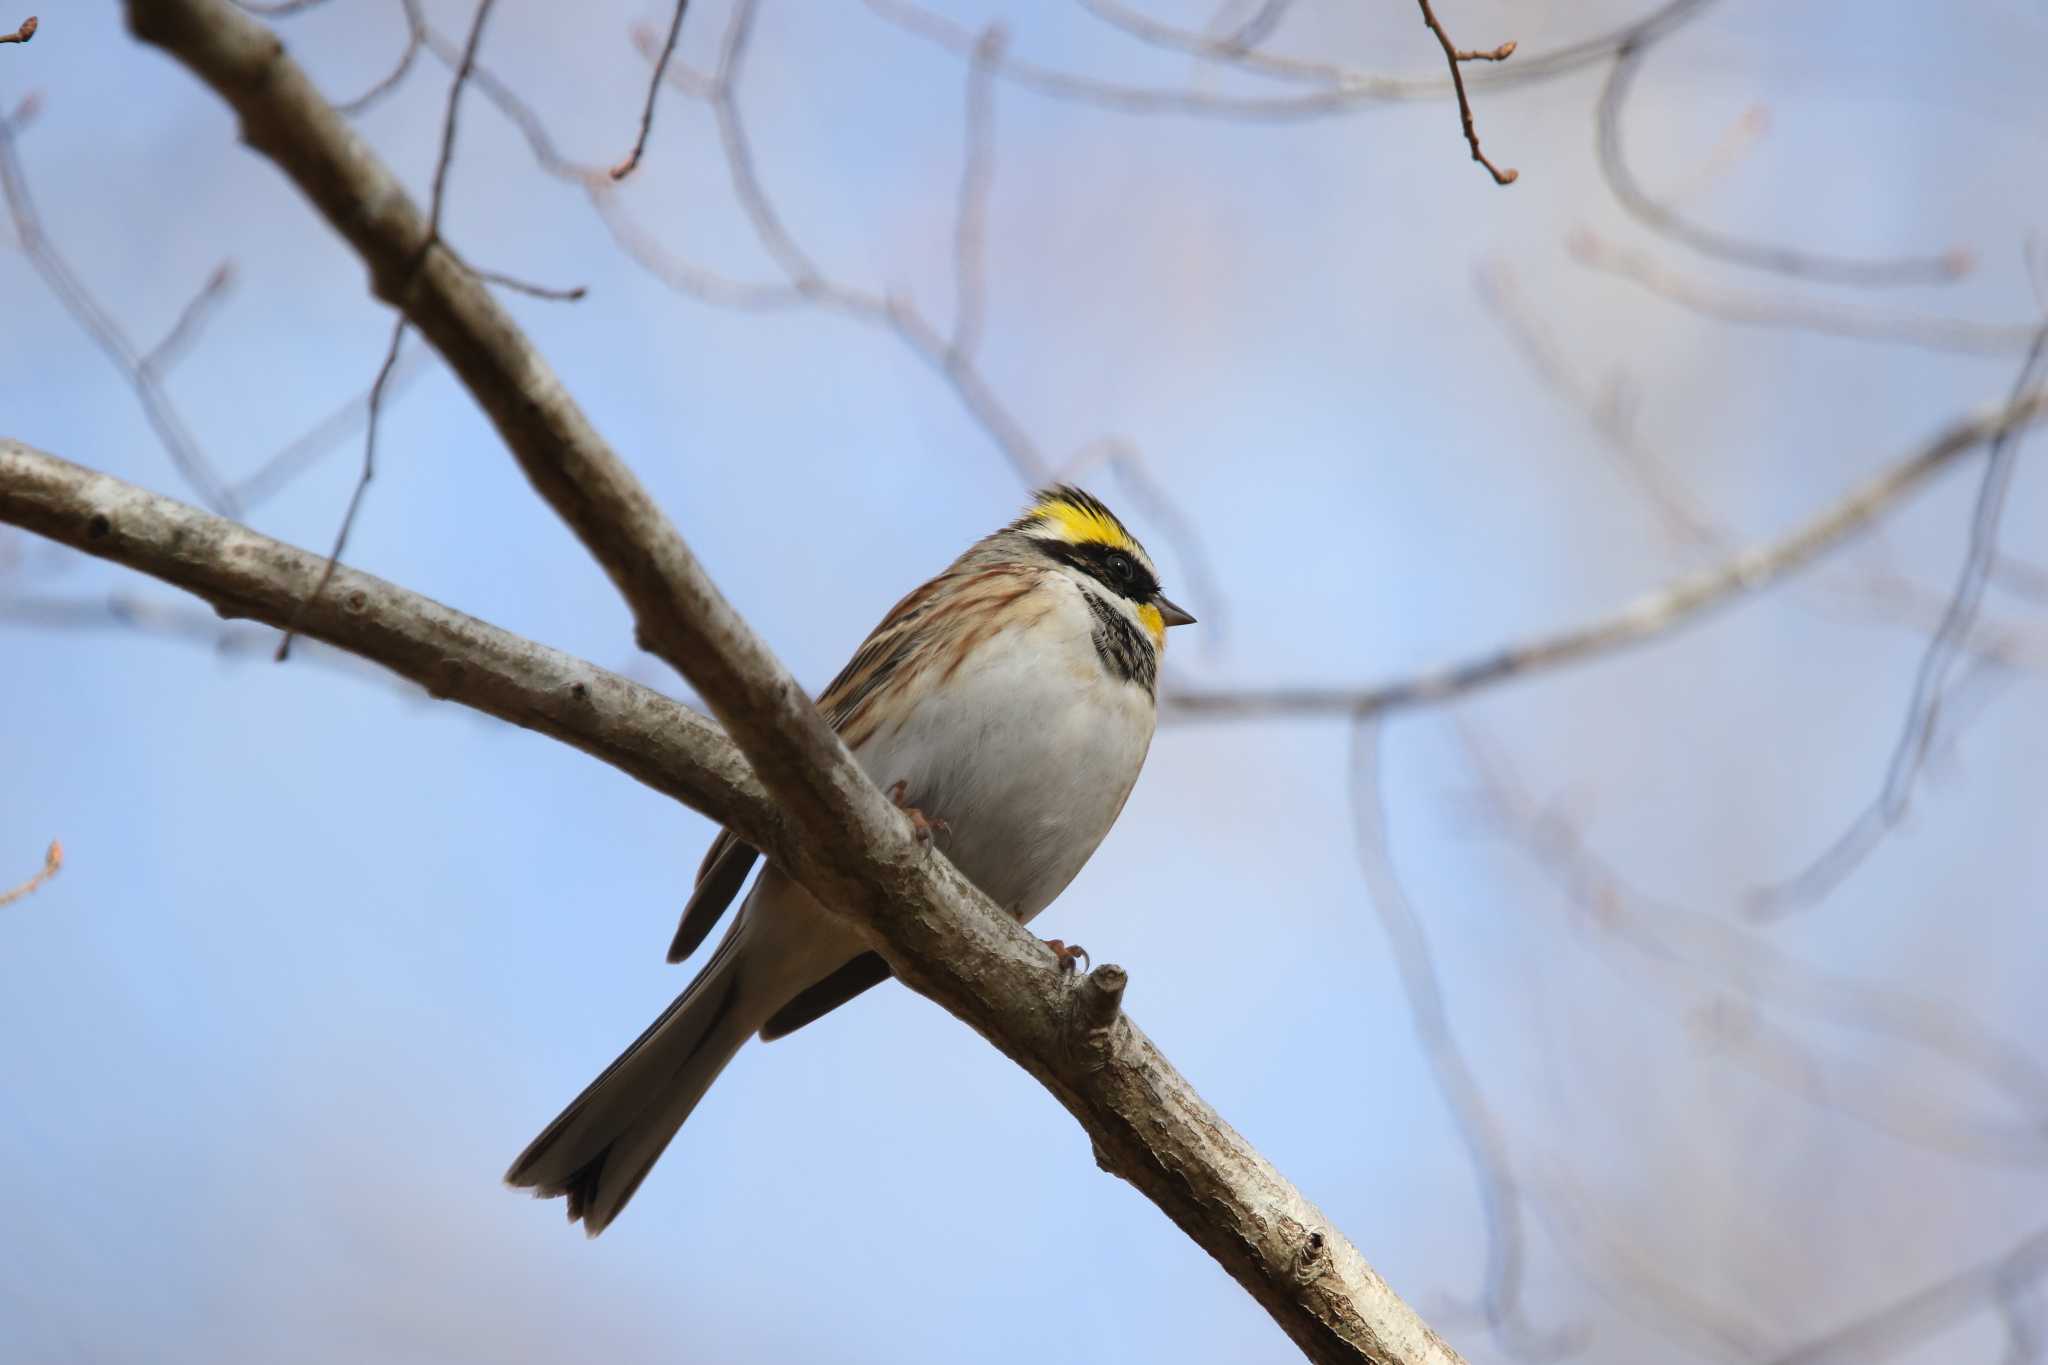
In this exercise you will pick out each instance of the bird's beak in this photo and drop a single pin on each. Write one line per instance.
(1172, 615)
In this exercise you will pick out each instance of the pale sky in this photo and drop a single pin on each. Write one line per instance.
(326, 955)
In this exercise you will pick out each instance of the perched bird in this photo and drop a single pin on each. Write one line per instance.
(1007, 705)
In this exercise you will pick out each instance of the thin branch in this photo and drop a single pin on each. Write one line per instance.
(668, 50)
(437, 195)
(1500, 1299)
(437, 199)
(1676, 605)
(1343, 91)
(53, 858)
(1661, 218)
(1813, 884)
(270, 477)
(415, 38)
(191, 321)
(970, 219)
(1456, 57)
(180, 622)
(1684, 520)
(25, 31)
(1775, 310)
(375, 410)
(1258, 26)
(554, 294)
(113, 342)
(838, 836)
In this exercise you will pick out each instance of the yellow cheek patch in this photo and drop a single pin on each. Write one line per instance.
(1154, 622)
(1084, 525)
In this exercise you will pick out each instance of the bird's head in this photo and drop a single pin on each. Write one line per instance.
(1075, 529)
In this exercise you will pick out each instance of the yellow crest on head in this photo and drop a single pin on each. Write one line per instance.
(1080, 518)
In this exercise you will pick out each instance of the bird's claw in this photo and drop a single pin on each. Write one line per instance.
(921, 825)
(1069, 958)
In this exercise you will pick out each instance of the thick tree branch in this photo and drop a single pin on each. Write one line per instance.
(838, 834)
(1146, 1122)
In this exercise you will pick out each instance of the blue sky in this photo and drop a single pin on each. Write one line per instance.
(326, 954)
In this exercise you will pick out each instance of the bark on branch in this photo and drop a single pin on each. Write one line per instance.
(812, 810)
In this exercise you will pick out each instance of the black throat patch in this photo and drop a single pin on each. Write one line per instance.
(1122, 645)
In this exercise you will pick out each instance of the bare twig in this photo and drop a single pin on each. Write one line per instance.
(53, 859)
(179, 621)
(437, 198)
(113, 342)
(1342, 91)
(374, 411)
(539, 291)
(1812, 884)
(1660, 217)
(1456, 57)
(22, 33)
(970, 219)
(1776, 310)
(178, 340)
(270, 477)
(1256, 27)
(1658, 613)
(415, 38)
(1683, 518)
(668, 50)
(1500, 1297)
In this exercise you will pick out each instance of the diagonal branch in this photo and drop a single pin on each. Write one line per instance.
(837, 834)
(99, 324)
(1667, 609)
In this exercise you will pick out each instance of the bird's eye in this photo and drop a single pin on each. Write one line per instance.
(1121, 568)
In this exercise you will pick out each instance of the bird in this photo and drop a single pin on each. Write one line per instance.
(1006, 706)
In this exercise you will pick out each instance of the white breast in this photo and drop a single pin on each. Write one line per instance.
(1027, 753)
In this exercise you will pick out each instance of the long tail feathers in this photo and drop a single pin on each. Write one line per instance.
(599, 1149)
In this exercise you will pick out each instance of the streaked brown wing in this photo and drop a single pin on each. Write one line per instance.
(898, 650)
(728, 860)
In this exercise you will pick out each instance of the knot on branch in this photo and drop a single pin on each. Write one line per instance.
(1311, 1256)
(1092, 1009)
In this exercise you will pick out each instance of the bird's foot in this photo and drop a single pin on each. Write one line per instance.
(921, 825)
(1070, 958)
